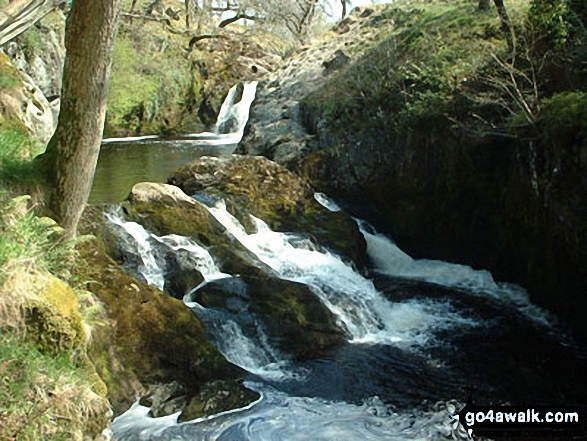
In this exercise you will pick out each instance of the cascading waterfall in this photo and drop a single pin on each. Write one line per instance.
(360, 309)
(388, 259)
(144, 244)
(405, 327)
(253, 353)
(230, 124)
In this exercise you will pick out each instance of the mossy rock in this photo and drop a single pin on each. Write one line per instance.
(216, 395)
(53, 319)
(293, 317)
(269, 191)
(165, 209)
(153, 338)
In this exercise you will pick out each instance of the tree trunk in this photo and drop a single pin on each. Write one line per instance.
(343, 3)
(505, 23)
(70, 160)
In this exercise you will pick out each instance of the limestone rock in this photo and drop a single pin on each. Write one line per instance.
(26, 103)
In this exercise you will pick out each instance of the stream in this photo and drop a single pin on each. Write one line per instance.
(420, 333)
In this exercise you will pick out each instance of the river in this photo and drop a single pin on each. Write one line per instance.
(421, 334)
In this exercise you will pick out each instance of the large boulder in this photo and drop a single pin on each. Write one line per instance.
(165, 209)
(267, 190)
(292, 316)
(152, 340)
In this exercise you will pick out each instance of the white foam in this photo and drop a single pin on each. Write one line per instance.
(388, 259)
(326, 202)
(359, 308)
(278, 417)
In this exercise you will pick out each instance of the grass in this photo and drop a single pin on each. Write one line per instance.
(48, 387)
(44, 396)
(434, 55)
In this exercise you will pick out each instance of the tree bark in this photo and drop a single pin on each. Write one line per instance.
(69, 163)
(505, 23)
(343, 3)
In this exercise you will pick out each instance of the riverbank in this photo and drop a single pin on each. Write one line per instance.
(458, 151)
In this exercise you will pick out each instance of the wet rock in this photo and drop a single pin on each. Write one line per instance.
(151, 339)
(165, 209)
(263, 188)
(293, 317)
(180, 281)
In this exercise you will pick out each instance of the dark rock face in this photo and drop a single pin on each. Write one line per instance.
(294, 319)
(258, 186)
(512, 207)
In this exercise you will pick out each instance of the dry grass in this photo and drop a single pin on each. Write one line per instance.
(48, 387)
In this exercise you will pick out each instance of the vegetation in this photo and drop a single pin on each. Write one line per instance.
(436, 57)
(49, 390)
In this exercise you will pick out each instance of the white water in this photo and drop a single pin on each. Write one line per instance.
(232, 115)
(366, 315)
(359, 308)
(326, 202)
(280, 417)
(388, 259)
(144, 245)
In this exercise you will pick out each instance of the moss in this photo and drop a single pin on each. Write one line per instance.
(53, 320)
(155, 338)
(565, 115)
(9, 79)
(269, 191)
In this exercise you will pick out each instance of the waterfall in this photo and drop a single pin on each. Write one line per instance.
(230, 124)
(233, 117)
(388, 259)
(253, 353)
(150, 250)
(359, 308)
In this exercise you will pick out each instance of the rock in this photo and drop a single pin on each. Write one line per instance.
(153, 339)
(44, 62)
(179, 281)
(263, 188)
(338, 62)
(26, 103)
(165, 209)
(293, 317)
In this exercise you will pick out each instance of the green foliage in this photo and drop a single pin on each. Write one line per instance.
(32, 240)
(9, 79)
(565, 114)
(150, 78)
(429, 58)
(549, 19)
(44, 396)
(17, 150)
(30, 42)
